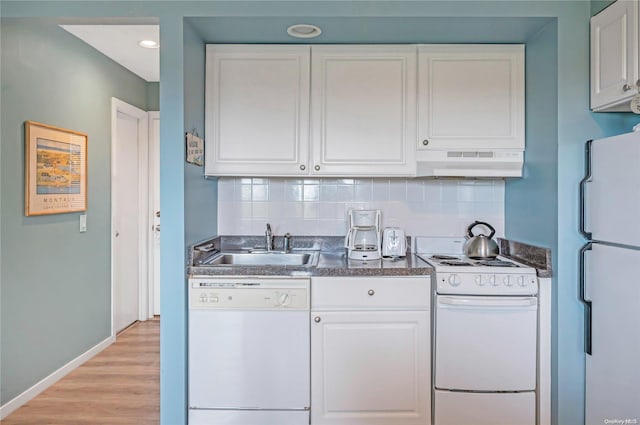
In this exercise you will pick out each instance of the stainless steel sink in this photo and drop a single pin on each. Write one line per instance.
(262, 259)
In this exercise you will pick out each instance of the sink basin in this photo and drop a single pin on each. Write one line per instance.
(262, 259)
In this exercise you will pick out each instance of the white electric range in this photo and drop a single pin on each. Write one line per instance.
(484, 336)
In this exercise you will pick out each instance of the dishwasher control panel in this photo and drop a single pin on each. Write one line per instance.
(249, 295)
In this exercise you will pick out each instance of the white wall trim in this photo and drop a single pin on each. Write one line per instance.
(29, 394)
(118, 105)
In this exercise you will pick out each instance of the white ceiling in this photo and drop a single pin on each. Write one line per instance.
(120, 43)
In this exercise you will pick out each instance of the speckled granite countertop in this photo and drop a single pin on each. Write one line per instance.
(534, 256)
(332, 259)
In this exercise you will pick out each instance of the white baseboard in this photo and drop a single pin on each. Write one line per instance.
(32, 392)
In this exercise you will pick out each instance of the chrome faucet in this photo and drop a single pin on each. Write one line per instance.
(268, 238)
(286, 242)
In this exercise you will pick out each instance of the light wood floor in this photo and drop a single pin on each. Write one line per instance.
(119, 386)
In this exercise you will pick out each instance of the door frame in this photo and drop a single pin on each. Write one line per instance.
(154, 185)
(118, 105)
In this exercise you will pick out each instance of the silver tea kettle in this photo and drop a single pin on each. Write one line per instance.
(480, 246)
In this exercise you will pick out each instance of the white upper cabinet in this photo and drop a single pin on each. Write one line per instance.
(470, 97)
(257, 110)
(363, 110)
(614, 56)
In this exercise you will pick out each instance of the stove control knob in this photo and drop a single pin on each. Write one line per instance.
(521, 281)
(284, 299)
(492, 279)
(479, 281)
(454, 280)
(507, 281)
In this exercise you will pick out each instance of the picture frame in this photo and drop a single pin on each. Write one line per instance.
(55, 170)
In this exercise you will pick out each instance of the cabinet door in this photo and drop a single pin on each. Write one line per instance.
(614, 54)
(470, 97)
(363, 110)
(257, 110)
(370, 368)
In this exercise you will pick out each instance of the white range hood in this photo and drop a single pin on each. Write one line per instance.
(469, 163)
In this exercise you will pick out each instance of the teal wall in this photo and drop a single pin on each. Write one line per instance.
(173, 326)
(201, 218)
(598, 5)
(153, 96)
(56, 288)
(531, 203)
(188, 201)
(575, 123)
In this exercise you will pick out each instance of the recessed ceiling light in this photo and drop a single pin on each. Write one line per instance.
(149, 44)
(304, 31)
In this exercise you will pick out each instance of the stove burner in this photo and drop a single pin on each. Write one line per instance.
(444, 257)
(459, 261)
(496, 263)
(456, 263)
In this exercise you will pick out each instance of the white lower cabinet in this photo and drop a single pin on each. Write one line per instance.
(370, 361)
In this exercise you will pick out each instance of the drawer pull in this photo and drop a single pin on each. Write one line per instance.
(371, 292)
(317, 319)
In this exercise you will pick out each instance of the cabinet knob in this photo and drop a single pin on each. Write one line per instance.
(371, 292)
(425, 142)
(317, 168)
(303, 167)
(626, 87)
(317, 319)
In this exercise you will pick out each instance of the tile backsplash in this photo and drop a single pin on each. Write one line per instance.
(427, 207)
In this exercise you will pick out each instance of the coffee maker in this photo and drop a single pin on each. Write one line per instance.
(363, 237)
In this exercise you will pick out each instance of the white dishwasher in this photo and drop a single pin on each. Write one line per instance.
(249, 352)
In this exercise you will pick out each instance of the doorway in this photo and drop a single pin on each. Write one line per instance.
(129, 215)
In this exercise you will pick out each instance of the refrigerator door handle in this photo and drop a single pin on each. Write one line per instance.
(583, 184)
(583, 298)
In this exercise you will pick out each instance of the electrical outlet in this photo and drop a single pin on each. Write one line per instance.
(83, 223)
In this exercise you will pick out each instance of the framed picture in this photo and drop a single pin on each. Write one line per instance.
(195, 148)
(55, 170)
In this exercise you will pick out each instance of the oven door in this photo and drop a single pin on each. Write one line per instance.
(485, 343)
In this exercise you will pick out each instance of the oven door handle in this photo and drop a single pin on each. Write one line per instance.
(476, 302)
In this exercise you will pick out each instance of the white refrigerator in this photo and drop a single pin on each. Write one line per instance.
(610, 279)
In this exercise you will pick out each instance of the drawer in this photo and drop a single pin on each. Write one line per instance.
(338, 293)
